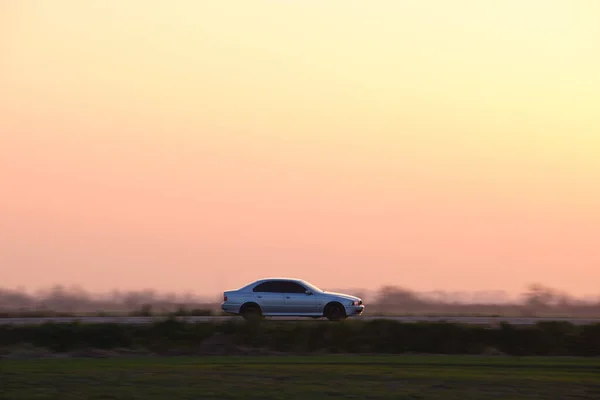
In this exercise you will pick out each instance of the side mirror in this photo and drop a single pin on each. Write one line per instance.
(308, 292)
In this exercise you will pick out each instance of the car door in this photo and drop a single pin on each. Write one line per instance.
(269, 297)
(296, 300)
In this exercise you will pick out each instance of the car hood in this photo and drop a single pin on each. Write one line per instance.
(341, 295)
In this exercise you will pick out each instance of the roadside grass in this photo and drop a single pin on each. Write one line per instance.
(172, 337)
(290, 377)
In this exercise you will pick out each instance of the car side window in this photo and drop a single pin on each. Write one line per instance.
(265, 287)
(292, 287)
(279, 287)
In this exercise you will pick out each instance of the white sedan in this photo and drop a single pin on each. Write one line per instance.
(288, 297)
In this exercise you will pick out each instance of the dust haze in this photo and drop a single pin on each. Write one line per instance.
(536, 300)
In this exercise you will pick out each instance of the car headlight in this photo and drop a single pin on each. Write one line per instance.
(354, 303)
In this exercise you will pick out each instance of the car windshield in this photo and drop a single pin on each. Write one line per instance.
(311, 287)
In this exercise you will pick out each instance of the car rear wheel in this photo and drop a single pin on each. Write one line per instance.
(251, 312)
(335, 312)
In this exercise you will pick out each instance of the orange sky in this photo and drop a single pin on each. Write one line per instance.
(196, 145)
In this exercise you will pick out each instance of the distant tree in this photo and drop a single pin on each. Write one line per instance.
(542, 296)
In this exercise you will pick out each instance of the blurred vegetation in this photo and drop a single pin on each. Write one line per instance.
(538, 300)
(382, 336)
(61, 301)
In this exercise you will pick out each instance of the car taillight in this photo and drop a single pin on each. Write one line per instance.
(224, 297)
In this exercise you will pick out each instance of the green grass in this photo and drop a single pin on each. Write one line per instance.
(294, 377)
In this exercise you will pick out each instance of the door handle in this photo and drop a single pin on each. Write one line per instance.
(260, 297)
(287, 297)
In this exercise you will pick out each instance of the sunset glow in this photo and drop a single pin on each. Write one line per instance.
(199, 145)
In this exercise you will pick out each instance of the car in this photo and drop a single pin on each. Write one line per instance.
(289, 297)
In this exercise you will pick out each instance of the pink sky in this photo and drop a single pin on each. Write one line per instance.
(432, 145)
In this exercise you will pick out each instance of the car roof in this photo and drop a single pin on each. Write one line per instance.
(278, 279)
(273, 279)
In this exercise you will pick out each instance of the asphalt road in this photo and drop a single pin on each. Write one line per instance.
(147, 320)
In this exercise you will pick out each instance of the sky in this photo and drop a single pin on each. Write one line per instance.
(199, 145)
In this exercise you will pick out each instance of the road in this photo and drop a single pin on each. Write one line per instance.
(147, 320)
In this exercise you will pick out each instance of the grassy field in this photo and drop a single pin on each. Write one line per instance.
(310, 377)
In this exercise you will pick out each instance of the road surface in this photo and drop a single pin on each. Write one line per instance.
(148, 320)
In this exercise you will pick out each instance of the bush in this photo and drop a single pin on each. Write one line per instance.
(376, 336)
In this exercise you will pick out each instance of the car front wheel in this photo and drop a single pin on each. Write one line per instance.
(335, 312)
